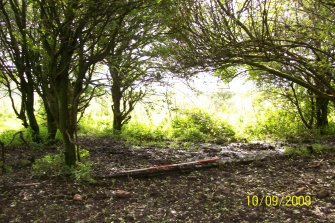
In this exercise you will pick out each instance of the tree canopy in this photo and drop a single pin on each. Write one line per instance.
(55, 45)
(54, 48)
(293, 41)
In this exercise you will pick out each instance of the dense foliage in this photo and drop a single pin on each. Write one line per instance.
(200, 126)
(69, 52)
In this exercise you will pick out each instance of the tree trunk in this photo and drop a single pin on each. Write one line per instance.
(65, 121)
(70, 148)
(117, 121)
(22, 113)
(321, 113)
(116, 107)
(50, 106)
(29, 104)
(51, 124)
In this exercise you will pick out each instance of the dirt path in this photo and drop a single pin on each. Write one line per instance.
(112, 158)
(213, 195)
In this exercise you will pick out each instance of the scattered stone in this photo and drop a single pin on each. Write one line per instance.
(323, 194)
(121, 194)
(300, 191)
(77, 197)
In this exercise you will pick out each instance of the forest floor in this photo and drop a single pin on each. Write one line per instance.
(283, 185)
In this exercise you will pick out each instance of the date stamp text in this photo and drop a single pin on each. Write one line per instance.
(279, 201)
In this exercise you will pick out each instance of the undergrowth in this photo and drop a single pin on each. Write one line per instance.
(53, 165)
(308, 151)
(197, 125)
(193, 125)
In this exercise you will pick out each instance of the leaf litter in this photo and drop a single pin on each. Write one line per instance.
(209, 195)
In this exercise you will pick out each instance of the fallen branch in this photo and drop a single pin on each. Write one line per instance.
(178, 168)
(14, 186)
(158, 170)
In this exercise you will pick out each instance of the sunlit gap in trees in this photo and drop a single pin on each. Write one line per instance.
(7, 116)
(232, 102)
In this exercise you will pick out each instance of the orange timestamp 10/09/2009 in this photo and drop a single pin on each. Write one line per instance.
(277, 201)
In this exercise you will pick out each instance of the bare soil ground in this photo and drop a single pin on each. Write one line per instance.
(209, 195)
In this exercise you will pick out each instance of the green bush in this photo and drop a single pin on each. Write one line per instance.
(50, 165)
(198, 125)
(7, 136)
(95, 125)
(298, 151)
(307, 151)
(142, 132)
(82, 172)
(190, 134)
(271, 122)
(53, 165)
(320, 148)
(275, 118)
(279, 124)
